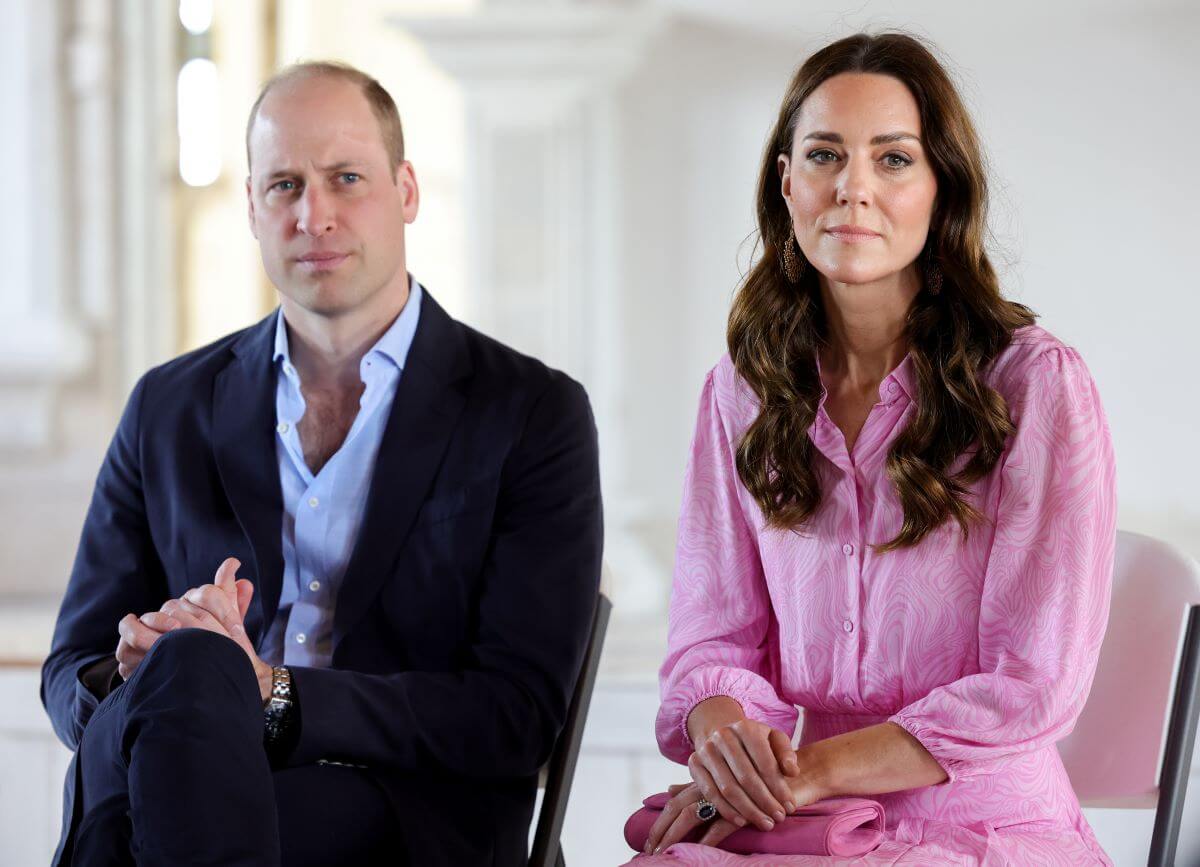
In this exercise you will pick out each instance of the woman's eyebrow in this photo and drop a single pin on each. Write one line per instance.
(886, 138)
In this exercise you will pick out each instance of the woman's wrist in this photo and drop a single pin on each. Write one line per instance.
(817, 778)
(711, 714)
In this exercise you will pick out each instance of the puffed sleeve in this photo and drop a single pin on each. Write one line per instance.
(1045, 598)
(720, 640)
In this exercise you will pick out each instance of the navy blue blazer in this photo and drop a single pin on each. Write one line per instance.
(461, 622)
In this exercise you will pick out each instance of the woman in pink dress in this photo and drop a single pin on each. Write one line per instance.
(899, 509)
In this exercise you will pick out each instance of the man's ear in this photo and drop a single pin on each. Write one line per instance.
(406, 181)
(250, 208)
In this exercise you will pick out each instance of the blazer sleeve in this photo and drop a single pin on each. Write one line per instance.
(719, 636)
(500, 713)
(116, 571)
(1047, 583)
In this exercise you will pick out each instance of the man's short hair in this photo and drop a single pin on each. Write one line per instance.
(381, 102)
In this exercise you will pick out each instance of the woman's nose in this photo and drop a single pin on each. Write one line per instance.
(854, 183)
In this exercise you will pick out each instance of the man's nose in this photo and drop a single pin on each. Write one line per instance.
(855, 182)
(315, 212)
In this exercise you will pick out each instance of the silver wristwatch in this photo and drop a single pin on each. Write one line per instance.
(277, 715)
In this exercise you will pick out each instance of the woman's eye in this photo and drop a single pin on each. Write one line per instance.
(900, 161)
(816, 156)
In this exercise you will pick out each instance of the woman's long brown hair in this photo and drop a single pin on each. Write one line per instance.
(777, 327)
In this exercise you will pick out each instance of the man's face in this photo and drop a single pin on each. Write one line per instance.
(325, 206)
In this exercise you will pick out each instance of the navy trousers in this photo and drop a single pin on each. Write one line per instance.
(172, 771)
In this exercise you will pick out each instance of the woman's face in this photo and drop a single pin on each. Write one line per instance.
(857, 162)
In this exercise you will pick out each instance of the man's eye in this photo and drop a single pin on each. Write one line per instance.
(284, 186)
(351, 177)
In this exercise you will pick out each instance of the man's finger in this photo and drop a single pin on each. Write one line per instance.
(159, 622)
(216, 602)
(128, 656)
(137, 634)
(245, 592)
(193, 616)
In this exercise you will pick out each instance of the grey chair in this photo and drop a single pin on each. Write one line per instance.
(1117, 755)
(560, 770)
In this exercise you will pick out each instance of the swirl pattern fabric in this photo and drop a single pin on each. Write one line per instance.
(983, 648)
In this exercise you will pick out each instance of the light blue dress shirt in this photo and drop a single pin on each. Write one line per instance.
(322, 514)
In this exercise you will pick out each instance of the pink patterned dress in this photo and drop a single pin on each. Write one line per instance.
(983, 649)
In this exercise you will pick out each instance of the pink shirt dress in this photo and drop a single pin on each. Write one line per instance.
(983, 649)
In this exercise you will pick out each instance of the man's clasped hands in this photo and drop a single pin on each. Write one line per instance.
(218, 607)
(744, 768)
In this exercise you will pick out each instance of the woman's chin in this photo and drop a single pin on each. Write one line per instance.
(854, 274)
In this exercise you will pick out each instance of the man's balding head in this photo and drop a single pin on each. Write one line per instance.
(381, 102)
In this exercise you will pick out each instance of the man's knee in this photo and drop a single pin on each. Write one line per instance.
(200, 660)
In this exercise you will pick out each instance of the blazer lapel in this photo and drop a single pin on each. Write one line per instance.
(243, 427)
(429, 399)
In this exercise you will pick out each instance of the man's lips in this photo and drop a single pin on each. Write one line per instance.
(321, 261)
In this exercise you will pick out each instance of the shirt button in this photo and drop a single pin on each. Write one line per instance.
(847, 626)
(891, 389)
(300, 637)
(314, 586)
(314, 502)
(847, 549)
(282, 427)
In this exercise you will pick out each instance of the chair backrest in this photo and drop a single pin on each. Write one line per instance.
(1114, 754)
(560, 770)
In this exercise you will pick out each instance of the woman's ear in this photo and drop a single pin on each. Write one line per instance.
(784, 165)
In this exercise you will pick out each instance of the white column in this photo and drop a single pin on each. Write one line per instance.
(540, 83)
(43, 343)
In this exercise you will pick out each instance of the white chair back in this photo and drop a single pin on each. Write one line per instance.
(1114, 755)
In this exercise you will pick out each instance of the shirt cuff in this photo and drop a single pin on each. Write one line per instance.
(758, 698)
(956, 769)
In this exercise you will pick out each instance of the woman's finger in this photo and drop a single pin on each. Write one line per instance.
(683, 799)
(728, 787)
(785, 755)
(741, 765)
(680, 828)
(712, 792)
(769, 770)
(716, 833)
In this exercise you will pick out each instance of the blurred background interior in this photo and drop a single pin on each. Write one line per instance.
(587, 173)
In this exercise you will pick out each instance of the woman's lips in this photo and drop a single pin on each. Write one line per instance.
(852, 234)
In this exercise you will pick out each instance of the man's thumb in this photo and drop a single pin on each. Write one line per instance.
(227, 574)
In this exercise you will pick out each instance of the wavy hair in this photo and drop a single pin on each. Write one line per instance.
(776, 327)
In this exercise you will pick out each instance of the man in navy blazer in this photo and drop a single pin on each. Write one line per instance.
(347, 557)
